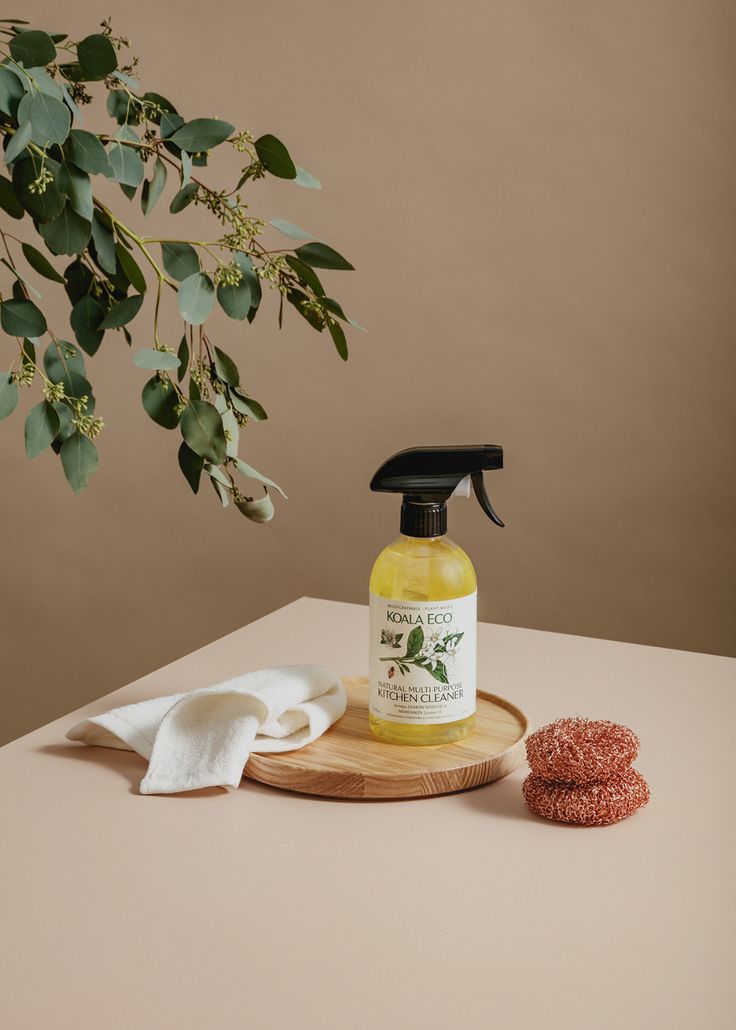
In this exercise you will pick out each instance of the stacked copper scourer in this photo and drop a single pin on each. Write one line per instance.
(581, 772)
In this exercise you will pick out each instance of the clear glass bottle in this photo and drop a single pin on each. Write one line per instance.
(424, 570)
(423, 610)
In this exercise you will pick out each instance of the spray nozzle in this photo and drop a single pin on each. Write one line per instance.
(429, 476)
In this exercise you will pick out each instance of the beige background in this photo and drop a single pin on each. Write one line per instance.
(538, 198)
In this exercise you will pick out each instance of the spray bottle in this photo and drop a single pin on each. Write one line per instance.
(423, 600)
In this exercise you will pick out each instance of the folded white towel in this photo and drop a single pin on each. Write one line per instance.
(204, 738)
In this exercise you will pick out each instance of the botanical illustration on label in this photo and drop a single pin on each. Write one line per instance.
(422, 659)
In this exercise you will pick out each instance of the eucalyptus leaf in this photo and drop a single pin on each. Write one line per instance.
(42, 207)
(127, 134)
(180, 260)
(235, 299)
(60, 358)
(76, 185)
(216, 473)
(40, 263)
(251, 473)
(186, 168)
(183, 356)
(191, 465)
(127, 80)
(338, 338)
(165, 107)
(8, 200)
(161, 360)
(126, 165)
(196, 297)
(79, 460)
(29, 355)
(306, 274)
(44, 83)
(247, 406)
(104, 245)
(68, 233)
(86, 320)
(97, 56)
(170, 122)
(202, 134)
(245, 265)
(319, 255)
(41, 427)
(22, 318)
(18, 142)
(32, 48)
(153, 188)
(202, 429)
(74, 109)
(306, 179)
(290, 230)
(22, 279)
(66, 428)
(122, 313)
(183, 198)
(336, 309)
(8, 395)
(221, 492)
(130, 268)
(48, 117)
(226, 368)
(160, 401)
(78, 280)
(301, 302)
(260, 510)
(232, 431)
(87, 153)
(274, 157)
(11, 91)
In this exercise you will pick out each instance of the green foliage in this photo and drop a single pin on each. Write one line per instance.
(161, 360)
(39, 263)
(97, 57)
(79, 460)
(180, 260)
(275, 158)
(319, 255)
(202, 429)
(161, 402)
(42, 425)
(191, 465)
(22, 318)
(32, 48)
(148, 148)
(202, 134)
(8, 396)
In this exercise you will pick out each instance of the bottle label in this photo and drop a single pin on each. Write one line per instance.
(422, 659)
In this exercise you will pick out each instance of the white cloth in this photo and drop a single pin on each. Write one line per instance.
(204, 738)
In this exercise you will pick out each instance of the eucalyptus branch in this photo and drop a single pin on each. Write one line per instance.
(195, 387)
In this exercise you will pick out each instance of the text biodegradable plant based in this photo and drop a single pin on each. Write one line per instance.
(54, 158)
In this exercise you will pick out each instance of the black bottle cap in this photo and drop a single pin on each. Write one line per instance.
(423, 520)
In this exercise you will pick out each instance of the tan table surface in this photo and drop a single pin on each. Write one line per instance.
(262, 909)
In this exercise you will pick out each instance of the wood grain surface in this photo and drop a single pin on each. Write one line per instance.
(349, 762)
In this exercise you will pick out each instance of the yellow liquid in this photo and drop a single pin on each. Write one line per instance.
(422, 569)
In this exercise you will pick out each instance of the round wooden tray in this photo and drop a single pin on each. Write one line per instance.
(349, 762)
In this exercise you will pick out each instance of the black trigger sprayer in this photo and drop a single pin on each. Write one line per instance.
(429, 476)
